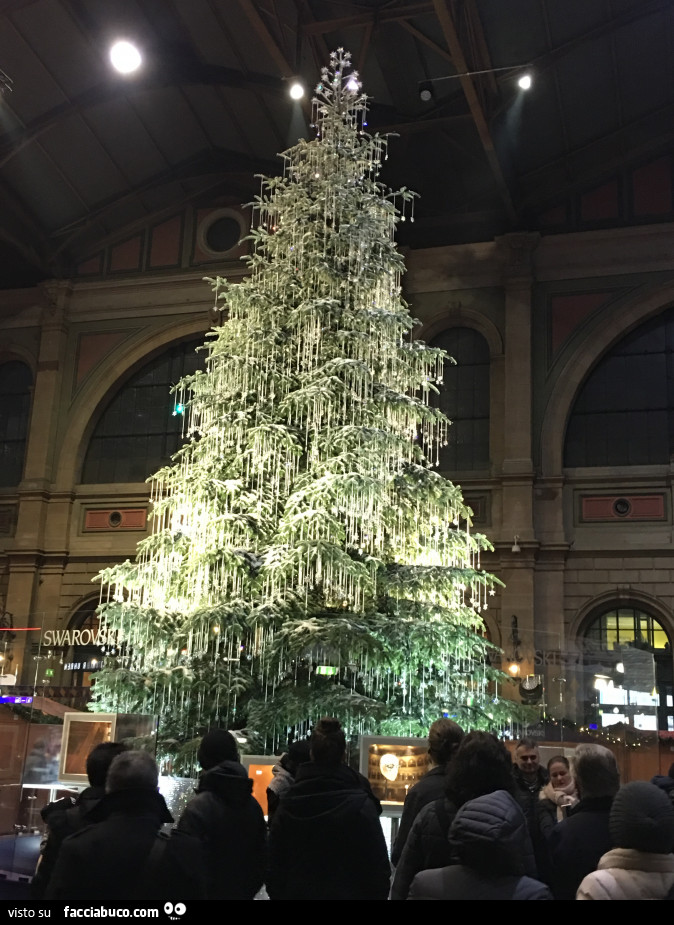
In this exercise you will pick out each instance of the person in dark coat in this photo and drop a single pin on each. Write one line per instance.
(69, 815)
(283, 774)
(122, 858)
(326, 841)
(578, 842)
(489, 841)
(227, 820)
(444, 737)
(665, 782)
(481, 765)
(529, 779)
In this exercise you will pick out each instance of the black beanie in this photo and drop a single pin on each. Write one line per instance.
(217, 746)
(642, 817)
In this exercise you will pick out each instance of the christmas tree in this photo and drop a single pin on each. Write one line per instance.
(306, 557)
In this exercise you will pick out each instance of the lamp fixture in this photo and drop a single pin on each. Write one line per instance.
(516, 544)
(125, 57)
(296, 89)
(524, 82)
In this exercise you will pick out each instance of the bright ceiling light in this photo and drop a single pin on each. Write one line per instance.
(125, 57)
(524, 83)
(296, 90)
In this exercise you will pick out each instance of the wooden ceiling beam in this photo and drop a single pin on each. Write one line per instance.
(451, 37)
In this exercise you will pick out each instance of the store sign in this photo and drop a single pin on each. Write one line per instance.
(81, 666)
(16, 699)
(75, 638)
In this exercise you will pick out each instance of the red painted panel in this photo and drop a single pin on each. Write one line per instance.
(652, 188)
(600, 203)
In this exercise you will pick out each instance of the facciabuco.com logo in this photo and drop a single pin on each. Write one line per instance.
(175, 911)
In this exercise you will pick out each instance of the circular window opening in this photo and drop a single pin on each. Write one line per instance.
(115, 519)
(621, 507)
(222, 234)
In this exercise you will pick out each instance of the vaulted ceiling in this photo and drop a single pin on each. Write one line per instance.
(86, 153)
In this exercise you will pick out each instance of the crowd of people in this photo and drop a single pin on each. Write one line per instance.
(478, 825)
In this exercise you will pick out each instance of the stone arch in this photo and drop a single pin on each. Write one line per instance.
(89, 403)
(463, 318)
(616, 321)
(628, 596)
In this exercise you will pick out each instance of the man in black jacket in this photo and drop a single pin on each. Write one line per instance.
(444, 737)
(326, 841)
(577, 842)
(66, 816)
(123, 858)
(227, 820)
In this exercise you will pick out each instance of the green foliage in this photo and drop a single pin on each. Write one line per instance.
(303, 523)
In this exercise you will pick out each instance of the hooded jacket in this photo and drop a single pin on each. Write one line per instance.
(326, 841)
(228, 821)
(489, 840)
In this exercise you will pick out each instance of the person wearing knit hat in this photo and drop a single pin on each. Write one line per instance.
(227, 820)
(216, 746)
(641, 866)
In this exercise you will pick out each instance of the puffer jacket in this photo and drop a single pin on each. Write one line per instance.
(490, 841)
(625, 873)
(228, 821)
(426, 845)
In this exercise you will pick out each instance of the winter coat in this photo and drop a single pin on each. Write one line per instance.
(625, 873)
(229, 823)
(490, 841)
(282, 780)
(326, 841)
(63, 818)
(577, 843)
(123, 859)
(426, 845)
(430, 788)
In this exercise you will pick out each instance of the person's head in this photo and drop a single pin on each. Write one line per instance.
(559, 772)
(217, 745)
(595, 771)
(132, 770)
(481, 765)
(527, 758)
(444, 738)
(299, 752)
(328, 742)
(642, 818)
(99, 760)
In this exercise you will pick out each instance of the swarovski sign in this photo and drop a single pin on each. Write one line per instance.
(75, 638)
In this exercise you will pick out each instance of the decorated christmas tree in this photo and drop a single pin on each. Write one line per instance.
(307, 558)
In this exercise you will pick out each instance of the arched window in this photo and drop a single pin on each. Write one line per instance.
(464, 398)
(624, 413)
(16, 381)
(140, 430)
(629, 672)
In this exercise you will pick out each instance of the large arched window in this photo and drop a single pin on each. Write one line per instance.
(139, 430)
(624, 413)
(627, 657)
(16, 382)
(464, 398)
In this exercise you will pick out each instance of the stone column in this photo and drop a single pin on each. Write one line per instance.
(29, 548)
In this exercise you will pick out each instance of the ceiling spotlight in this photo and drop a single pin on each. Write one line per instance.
(125, 57)
(296, 90)
(525, 81)
(425, 91)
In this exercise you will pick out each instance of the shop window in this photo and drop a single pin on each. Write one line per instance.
(464, 398)
(624, 413)
(16, 383)
(141, 428)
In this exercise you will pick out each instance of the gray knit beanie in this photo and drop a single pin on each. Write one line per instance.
(642, 817)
